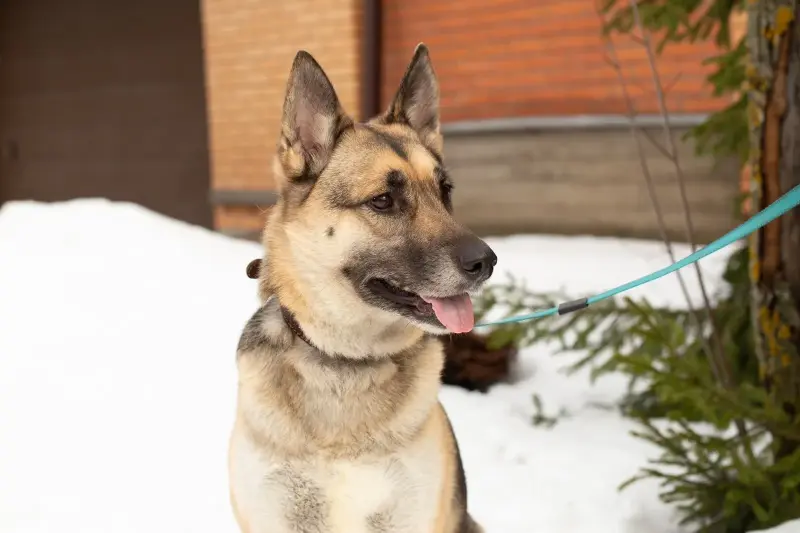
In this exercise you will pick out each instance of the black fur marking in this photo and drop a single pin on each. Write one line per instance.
(445, 188)
(395, 144)
(413, 264)
(379, 522)
(395, 180)
(329, 232)
(442, 175)
(447, 196)
(253, 336)
(307, 508)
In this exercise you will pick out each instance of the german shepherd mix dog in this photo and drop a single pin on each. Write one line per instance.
(338, 425)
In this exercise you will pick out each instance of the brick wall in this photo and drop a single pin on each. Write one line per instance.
(249, 49)
(506, 58)
(509, 58)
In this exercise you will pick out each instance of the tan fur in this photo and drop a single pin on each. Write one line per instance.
(340, 430)
(445, 520)
(244, 527)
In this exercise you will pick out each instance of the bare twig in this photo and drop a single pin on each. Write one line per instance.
(717, 355)
(613, 61)
(656, 144)
(674, 81)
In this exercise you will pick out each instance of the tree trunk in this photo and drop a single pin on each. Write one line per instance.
(472, 365)
(774, 114)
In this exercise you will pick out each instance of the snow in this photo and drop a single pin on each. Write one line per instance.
(786, 527)
(117, 381)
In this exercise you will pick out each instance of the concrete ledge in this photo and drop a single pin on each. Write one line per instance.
(577, 122)
(258, 197)
(238, 233)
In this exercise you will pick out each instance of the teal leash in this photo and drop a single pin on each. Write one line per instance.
(780, 207)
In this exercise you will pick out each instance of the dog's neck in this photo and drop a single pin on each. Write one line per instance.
(337, 332)
(340, 337)
(326, 312)
(294, 327)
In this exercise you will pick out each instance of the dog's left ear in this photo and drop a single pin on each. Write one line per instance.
(313, 119)
(416, 102)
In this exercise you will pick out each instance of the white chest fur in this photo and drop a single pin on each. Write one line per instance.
(392, 494)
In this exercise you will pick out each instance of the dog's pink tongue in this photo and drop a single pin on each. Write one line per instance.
(455, 313)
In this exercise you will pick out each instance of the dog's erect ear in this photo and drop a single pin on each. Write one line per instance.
(416, 102)
(313, 119)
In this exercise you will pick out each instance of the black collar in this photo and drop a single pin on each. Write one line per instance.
(294, 327)
(297, 331)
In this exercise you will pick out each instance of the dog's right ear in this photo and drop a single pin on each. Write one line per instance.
(416, 102)
(313, 119)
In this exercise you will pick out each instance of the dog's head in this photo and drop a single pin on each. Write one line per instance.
(365, 227)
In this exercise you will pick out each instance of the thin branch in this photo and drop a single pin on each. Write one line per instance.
(635, 130)
(690, 233)
(658, 146)
(612, 59)
(718, 354)
(675, 79)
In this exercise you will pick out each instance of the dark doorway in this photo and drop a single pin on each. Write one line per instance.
(104, 98)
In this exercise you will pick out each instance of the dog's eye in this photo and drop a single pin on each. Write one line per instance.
(383, 202)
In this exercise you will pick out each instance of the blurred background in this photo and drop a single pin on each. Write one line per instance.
(176, 106)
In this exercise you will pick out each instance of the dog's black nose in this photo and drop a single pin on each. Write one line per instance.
(475, 257)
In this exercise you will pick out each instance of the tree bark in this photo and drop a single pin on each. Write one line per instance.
(774, 115)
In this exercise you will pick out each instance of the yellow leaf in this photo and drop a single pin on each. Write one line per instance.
(784, 16)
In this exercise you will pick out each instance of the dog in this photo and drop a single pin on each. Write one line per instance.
(338, 425)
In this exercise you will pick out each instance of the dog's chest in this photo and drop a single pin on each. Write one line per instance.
(397, 494)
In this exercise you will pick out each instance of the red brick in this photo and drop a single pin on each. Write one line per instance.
(249, 48)
(515, 57)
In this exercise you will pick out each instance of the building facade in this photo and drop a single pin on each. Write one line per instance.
(177, 106)
(535, 123)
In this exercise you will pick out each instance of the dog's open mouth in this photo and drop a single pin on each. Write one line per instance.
(453, 312)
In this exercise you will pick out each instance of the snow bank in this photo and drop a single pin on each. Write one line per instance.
(117, 382)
